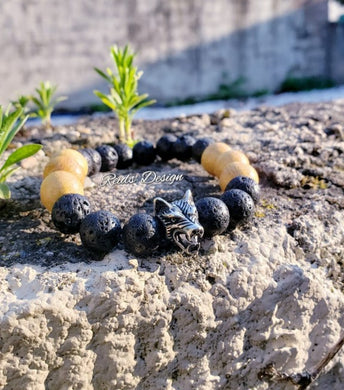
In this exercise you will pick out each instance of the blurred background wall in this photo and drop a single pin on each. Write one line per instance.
(187, 48)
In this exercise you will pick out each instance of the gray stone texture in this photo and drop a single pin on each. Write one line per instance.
(186, 47)
(268, 293)
(336, 52)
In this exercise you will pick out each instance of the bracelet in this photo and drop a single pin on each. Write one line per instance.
(181, 222)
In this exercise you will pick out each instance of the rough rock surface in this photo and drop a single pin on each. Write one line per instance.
(271, 293)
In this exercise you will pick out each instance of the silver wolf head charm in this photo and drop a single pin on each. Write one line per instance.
(180, 219)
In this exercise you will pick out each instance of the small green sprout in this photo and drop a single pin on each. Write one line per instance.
(45, 102)
(22, 102)
(123, 98)
(10, 124)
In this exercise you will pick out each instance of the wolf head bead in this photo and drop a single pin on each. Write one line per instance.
(180, 219)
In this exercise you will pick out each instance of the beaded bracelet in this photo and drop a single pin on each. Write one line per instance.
(181, 222)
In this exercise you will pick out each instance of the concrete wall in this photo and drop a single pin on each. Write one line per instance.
(186, 47)
(336, 52)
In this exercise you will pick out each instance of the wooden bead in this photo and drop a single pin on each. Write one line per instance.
(66, 163)
(229, 157)
(77, 156)
(56, 184)
(211, 154)
(232, 170)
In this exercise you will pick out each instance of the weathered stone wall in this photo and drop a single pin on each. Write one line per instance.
(336, 52)
(187, 47)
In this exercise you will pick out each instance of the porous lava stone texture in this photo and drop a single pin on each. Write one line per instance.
(94, 160)
(109, 157)
(68, 212)
(100, 231)
(240, 206)
(142, 234)
(165, 147)
(183, 147)
(88, 159)
(213, 215)
(246, 184)
(125, 156)
(144, 153)
(199, 147)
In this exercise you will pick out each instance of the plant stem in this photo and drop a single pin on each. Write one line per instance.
(128, 129)
(326, 360)
(306, 378)
(121, 130)
(47, 121)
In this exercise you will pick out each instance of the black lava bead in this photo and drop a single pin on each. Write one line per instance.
(109, 157)
(68, 212)
(125, 156)
(199, 146)
(94, 160)
(213, 215)
(246, 184)
(88, 159)
(100, 231)
(165, 147)
(144, 153)
(143, 234)
(183, 147)
(240, 206)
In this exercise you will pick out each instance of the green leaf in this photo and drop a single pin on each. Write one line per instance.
(143, 104)
(117, 87)
(115, 97)
(42, 94)
(119, 58)
(10, 135)
(41, 113)
(130, 60)
(5, 192)
(10, 120)
(135, 100)
(102, 74)
(114, 51)
(129, 90)
(20, 154)
(106, 100)
(37, 102)
(125, 54)
(60, 99)
(7, 173)
(23, 100)
(8, 109)
(10, 126)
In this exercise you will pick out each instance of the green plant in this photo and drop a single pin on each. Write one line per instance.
(45, 102)
(295, 84)
(22, 102)
(123, 98)
(10, 124)
(230, 90)
(97, 107)
(260, 92)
